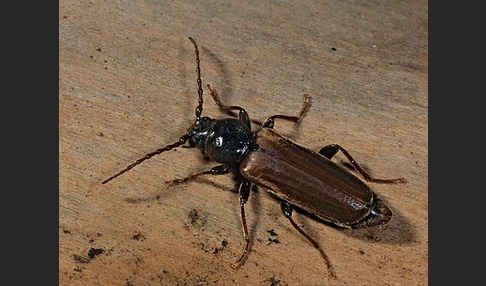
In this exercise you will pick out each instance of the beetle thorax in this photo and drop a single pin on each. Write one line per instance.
(226, 141)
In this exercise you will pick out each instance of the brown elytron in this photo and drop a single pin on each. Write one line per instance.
(307, 179)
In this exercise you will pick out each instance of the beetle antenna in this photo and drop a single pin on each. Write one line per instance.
(181, 141)
(199, 108)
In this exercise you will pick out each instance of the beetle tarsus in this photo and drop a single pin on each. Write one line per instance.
(270, 121)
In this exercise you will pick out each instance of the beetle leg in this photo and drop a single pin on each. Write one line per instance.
(244, 191)
(242, 115)
(270, 122)
(218, 170)
(330, 150)
(287, 211)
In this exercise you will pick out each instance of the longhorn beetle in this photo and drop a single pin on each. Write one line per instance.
(297, 176)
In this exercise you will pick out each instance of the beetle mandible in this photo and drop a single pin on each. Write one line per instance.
(297, 176)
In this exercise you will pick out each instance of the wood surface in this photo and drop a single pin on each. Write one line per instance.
(127, 86)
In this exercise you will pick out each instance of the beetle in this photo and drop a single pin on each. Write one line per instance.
(298, 177)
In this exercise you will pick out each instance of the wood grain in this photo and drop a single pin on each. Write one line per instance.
(128, 86)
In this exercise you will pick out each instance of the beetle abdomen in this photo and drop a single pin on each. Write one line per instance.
(307, 179)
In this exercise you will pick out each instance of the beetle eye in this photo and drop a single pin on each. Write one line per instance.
(197, 126)
(219, 141)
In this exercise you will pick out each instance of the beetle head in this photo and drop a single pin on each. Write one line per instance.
(199, 131)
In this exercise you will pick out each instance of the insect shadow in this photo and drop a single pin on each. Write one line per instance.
(221, 69)
(399, 231)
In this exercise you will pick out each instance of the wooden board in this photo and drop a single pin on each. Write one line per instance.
(128, 86)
